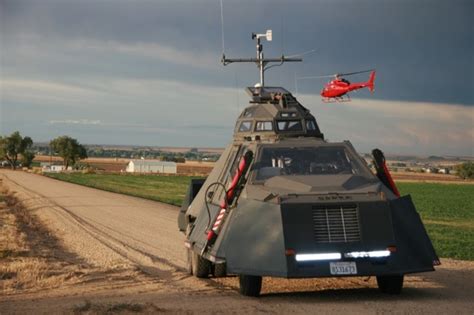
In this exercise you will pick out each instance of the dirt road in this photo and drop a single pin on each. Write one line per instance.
(128, 256)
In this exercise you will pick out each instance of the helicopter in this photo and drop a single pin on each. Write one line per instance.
(336, 89)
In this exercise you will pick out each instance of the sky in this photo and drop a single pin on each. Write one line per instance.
(149, 72)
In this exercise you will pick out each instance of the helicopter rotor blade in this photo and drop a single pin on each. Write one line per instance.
(302, 54)
(336, 75)
(357, 72)
(317, 77)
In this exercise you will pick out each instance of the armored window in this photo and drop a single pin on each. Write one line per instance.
(310, 161)
(310, 125)
(288, 114)
(245, 126)
(264, 126)
(289, 125)
(248, 113)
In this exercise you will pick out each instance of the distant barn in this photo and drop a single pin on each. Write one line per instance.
(151, 166)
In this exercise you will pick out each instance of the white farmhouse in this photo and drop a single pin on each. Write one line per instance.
(151, 166)
(54, 168)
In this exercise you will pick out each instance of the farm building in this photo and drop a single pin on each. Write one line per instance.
(54, 168)
(151, 166)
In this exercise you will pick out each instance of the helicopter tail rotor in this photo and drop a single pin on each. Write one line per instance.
(371, 81)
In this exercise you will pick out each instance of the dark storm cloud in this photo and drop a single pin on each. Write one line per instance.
(149, 68)
(420, 48)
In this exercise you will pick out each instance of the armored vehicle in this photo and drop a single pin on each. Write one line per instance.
(283, 202)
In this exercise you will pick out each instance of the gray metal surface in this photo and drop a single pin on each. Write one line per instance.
(299, 195)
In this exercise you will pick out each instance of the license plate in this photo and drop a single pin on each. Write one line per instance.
(343, 268)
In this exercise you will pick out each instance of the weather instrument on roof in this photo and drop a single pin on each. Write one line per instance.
(337, 89)
(261, 61)
(282, 201)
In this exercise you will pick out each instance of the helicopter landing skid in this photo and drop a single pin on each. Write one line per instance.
(336, 99)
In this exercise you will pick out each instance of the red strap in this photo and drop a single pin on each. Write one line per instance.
(235, 180)
(233, 184)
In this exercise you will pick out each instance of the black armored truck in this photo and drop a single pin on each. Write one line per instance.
(283, 202)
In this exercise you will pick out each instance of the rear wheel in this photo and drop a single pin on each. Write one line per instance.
(392, 284)
(250, 285)
(220, 270)
(200, 266)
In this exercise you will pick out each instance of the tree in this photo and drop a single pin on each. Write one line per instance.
(465, 170)
(69, 149)
(14, 145)
(27, 158)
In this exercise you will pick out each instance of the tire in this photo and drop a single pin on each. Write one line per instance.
(250, 285)
(219, 270)
(200, 266)
(392, 284)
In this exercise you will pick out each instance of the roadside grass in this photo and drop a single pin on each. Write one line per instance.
(167, 189)
(447, 211)
(28, 251)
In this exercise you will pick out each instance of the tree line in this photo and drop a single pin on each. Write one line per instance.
(17, 149)
(138, 153)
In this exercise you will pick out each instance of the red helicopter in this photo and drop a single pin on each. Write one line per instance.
(335, 90)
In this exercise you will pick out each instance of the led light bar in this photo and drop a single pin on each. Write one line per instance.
(371, 254)
(321, 256)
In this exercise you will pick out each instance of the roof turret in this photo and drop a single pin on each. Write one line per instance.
(274, 113)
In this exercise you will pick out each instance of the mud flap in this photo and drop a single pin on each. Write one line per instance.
(254, 243)
(415, 252)
(193, 188)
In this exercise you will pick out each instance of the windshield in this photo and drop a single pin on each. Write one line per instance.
(323, 160)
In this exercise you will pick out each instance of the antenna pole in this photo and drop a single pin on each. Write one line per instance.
(260, 61)
(222, 27)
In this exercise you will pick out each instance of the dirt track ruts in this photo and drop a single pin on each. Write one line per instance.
(112, 231)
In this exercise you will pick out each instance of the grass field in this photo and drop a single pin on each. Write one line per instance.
(446, 209)
(168, 189)
(448, 213)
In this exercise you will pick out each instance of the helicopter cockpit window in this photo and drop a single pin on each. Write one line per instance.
(263, 126)
(323, 160)
(289, 125)
(245, 126)
(310, 125)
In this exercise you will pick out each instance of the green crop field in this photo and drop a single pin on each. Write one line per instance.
(448, 213)
(168, 189)
(446, 209)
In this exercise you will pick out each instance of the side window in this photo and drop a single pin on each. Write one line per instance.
(310, 125)
(288, 114)
(289, 125)
(264, 126)
(245, 126)
(248, 113)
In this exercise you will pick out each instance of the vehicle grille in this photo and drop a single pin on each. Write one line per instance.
(334, 224)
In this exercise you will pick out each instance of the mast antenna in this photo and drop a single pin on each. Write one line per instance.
(222, 28)
(261, 61)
